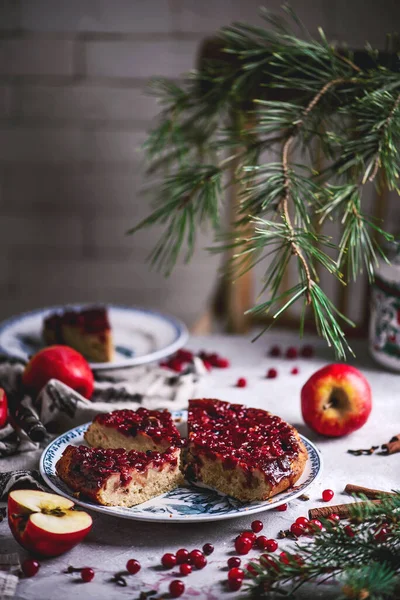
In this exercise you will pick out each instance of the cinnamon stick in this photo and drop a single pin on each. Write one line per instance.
(393, 445)
(343, 510)
(368, 492)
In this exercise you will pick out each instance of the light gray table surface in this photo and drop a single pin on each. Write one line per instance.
(113, 541)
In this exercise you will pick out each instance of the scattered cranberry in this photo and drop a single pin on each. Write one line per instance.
(234, 561)
(275, 351)
(283, 557)
(208, 549)
(314, 525)
(271, 545)
(302, 521)
(327, 495)
(243, 545)
(262, 542)
(30, 567)
(249, 534)
(200, 561)
(133, 566)
(241, 382)
(295, 371)
(291, 352)
(222, 363)
(194, 553)
(307, 351)
(176, 588)
(207, 365)
(235, 573)
(181, 556)
(87, 574)
(269, 561)
(349, 531)
(257, 526)
(282, 507)
(185, 569)
(235, 584)
(271, 374)
(334, 517)
(382, 534)
(252, 570)
(297, 529)
(185, 355)
(168, 560)
(176, 365)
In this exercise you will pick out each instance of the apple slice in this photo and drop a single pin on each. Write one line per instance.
(44, 523)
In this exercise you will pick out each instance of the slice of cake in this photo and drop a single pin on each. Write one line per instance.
(139, 429)
(88, 331)
(247, 453)
(115, 477)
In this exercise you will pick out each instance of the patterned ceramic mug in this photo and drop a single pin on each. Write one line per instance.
(384, 326)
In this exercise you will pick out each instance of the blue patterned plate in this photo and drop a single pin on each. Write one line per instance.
(140, 336)
(183, 504)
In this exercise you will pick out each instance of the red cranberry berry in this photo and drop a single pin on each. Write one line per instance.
(241, 382)
(194, 554)
(271, 374)
(257, 526)
(294, 371)
(87, 574)
(133, 566)
(327, 495)
(282, 507)
(176, 365)
(262, 542)
(208, 549)
(297, 529)
(235, 573)
(302, 521)
(200, 561)
(291, 352)
(334, 517)
(207, 365)
(30, 567)
(307, 351)
(271, 545)
(185, 569)
(349, 531)
(222, 363)
(381, 534)
(235, 584)
(249, 534)
(250, 569)
(234, 561)
(176, 588)
(168, 560)
(275, 351)
(314, 525)
(181, 556)
(243, 545)
(283, 557)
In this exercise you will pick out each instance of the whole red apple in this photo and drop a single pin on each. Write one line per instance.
(62, 363)
(3, 408)
(46, 524)
(336, 400)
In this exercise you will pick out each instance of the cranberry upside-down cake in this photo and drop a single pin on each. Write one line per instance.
(87, 330)
(115, 477)
(247, 453)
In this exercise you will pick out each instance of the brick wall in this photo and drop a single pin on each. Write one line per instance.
(72, 116)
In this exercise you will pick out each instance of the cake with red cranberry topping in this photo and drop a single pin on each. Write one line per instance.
(139, 429)
(115, 477)
(247, 453)
(86, 330)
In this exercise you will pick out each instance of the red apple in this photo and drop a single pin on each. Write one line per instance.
(46, 524)
(336, 400)
(62, 363)
(3, 408)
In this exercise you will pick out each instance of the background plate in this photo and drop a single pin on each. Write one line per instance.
(184, 504)
(140, 336)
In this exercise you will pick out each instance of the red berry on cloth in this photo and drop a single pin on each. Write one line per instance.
(271, 374)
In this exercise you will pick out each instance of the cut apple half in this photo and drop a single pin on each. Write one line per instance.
(46, 524)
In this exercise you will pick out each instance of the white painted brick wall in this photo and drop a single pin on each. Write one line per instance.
(72, 116)
(33, 56)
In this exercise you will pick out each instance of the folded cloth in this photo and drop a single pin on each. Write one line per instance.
(9, 569)
(60, 408)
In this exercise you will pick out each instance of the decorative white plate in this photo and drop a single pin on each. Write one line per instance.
(184, 504)
(140, 336)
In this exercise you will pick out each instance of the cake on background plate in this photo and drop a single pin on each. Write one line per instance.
(87, 330)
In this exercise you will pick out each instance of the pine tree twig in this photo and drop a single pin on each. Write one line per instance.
(385, 125)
